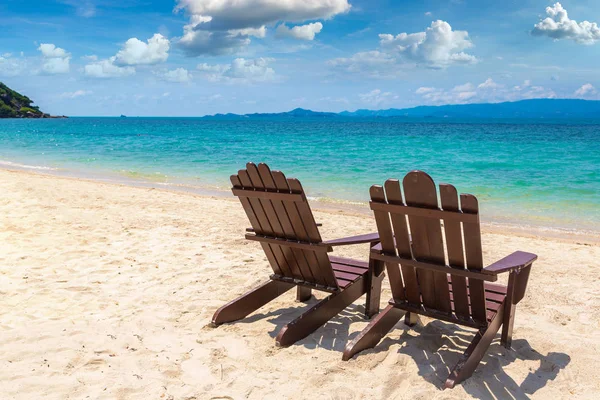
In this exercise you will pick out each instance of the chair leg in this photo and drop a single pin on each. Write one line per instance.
(374, 332)
(303, 294)
(319, 314)
(509, 313)
(375, 278)
(475, 352)
(250, 302)
(410, 319)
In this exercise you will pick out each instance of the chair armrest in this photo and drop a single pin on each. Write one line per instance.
(369, 238)
(252, 229)
(514, 262)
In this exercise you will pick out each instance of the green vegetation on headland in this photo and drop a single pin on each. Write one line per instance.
(15, 105)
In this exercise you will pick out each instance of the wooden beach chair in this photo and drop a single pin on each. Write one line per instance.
(435, 268)
(282, 222)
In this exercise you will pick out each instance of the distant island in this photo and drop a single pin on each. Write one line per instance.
(15, 105)
(532, 109)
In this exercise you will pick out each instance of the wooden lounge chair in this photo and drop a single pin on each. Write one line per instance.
(443, 282)
(284, 225)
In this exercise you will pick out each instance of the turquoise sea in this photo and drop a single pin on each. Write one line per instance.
(528, 173)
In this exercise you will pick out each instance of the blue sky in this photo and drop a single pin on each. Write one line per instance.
(197, 57)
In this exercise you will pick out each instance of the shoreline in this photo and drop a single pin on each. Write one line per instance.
(575, 236)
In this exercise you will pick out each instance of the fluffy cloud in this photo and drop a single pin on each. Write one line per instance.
(302, 32)
(196, 41)
(377, 97)
(586, 90)
(240, 14)
(558, 25)
(107, 69)
(373, 64)
(12, 66)
(240, 71)
(488, 91)
(75, 94)
(54, 59)
(438, 47)
(489, 84)
(180, 75)
(51, 51)
(225, 26)
(425, 90)
(136, 52)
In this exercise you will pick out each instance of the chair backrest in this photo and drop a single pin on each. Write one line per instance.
(284, 224)
(419, 233)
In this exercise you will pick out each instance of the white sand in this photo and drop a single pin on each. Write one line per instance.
(106, 292)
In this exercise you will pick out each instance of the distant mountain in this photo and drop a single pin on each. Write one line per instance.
(297, 113)
(537, 108)
(534, 109)
(15, 105)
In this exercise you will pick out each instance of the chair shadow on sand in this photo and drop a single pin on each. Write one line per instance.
(333, 335)
(435, 348)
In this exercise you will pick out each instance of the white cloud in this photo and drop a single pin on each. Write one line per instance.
(240, 71)
(438, 47)
(51, 51)
(425, 90)
(54, 59)
(428, 14)
(92, 57)
(180, 75)
(464, 88)
(240, 14)
(107, 69)
(225, 26)
(136, 52)
(84, 8)
(525, 85)
(373, 64)
(489, 84)
(586, 90)
(75, 94)
(488, 91)
(196, 41)
(12, 66)
(256, 32)
(558, 25)
(302, 32)
(376, 97)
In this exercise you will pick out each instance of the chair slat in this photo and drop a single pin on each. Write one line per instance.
(284, 219)
(472, 236)
(312, 262)
(265, 225)
(424, 212)
(270, 210)
(305, 213)
(386, 235)
(409, 275)
(453, 230)
(235, 181)
(420, 191)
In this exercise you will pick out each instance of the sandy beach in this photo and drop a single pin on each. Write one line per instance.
(106, 292)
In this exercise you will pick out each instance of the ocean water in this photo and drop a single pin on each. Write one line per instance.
(528, 173)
